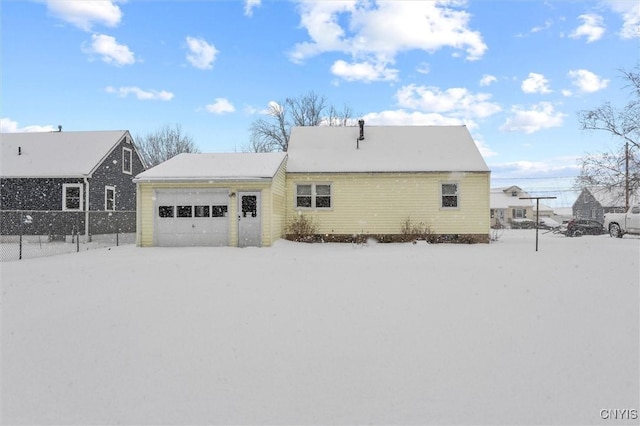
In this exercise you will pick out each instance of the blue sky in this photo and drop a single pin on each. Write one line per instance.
(515, 72)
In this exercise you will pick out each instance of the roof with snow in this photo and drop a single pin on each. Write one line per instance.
(55, 154)
(383, 149)
(611, 197)
(219, 166)
(503, 198)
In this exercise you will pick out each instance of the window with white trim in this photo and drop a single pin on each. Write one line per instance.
(313, 196)
(72, 196)
(519, 213)
(449, 195)
(127, 160)
(109, 198)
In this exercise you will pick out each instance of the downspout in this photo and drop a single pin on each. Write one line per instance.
(138, 215)
(87, 239)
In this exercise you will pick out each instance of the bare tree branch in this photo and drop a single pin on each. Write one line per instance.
(623, 123)
(163, 144)
(311, 109)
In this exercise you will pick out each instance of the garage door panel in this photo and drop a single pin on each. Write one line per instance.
(191, 229)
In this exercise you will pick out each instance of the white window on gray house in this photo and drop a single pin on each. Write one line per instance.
(109, 198)
(594, 213)
(313, 196)
(127, 159)
(449, 195)
(72, 196)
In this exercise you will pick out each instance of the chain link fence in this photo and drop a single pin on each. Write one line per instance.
(28, 234)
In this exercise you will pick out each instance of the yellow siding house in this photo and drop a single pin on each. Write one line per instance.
(369, 181)
(353, 182)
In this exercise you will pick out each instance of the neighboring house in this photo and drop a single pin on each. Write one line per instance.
(543, 211)
(349, 181)
(593, 202)
(60, 183)
(508, 209)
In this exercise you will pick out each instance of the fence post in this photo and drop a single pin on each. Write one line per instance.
(117, 231)
(20, 244)
(77, 227)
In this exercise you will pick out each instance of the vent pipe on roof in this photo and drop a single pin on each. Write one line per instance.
(361, 137)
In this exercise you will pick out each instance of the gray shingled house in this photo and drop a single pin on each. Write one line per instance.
(62, 183)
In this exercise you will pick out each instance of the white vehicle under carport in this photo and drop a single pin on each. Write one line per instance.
(619, 224)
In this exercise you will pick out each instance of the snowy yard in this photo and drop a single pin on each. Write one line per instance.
(325, 334)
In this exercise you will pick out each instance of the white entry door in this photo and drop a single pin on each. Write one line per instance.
(249, 219)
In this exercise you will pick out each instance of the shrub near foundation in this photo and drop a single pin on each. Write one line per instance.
(301, 229)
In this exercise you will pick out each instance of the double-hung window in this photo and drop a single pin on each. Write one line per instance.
(127, 159)
(72, 196)
(109, 198)
(449, 195)
(313, 196)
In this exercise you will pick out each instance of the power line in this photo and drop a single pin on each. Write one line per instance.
(533, 178)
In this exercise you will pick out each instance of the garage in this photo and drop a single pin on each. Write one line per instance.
(227, 199)
(191, 217)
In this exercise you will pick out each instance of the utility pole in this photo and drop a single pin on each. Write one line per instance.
(537, 211)
(626, 176)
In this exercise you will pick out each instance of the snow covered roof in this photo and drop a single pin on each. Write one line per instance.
(218, 166)
(55, 154)
(611, 197)
(502, 198)
(384, 149)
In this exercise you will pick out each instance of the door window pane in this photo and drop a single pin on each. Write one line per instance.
(165, 211)
(219, 211)
(201, 211)
(184, 211)
(249, 206)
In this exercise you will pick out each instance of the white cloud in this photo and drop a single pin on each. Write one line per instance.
(567, 92)
(375, 33)
(535, 83)
(457, 102)
(539, 28)
(414, 118)
(110, 51)
(201, 54)
(538, 117)
(85, 13)
(142, 95)
(364, 71)
(220, 106)
(487, 79)
(630, 12)
(249, 5)
(8, 125)
(587, 81)
(592, 27)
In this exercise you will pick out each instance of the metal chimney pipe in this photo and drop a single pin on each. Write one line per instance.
(361, 124)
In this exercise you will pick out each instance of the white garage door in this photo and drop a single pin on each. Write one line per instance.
(191, 218)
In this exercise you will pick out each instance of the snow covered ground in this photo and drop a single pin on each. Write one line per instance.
(325, 334)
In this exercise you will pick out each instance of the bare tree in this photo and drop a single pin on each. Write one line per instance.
(164, 143)
(609, 170)
(618, 167)
(272, 133)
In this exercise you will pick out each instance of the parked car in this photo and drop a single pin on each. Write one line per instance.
(547, 223)
(619, 224)
(580, 227)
